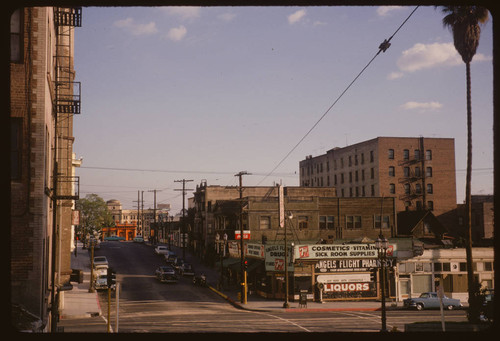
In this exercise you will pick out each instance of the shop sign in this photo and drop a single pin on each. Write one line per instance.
(246, 235)
(324, 251)
(255, 250)
(275, 258)
(343, 287)
(344, 278)
(344, 265)
(234, 249)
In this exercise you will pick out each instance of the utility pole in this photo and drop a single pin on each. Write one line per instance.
(243, 270)
(138, 230)
(155, 237)
(183, 234)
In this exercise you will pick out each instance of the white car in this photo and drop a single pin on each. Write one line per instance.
(161, 250)
(100, 260)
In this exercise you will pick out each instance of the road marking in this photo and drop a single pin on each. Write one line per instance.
(288, 321)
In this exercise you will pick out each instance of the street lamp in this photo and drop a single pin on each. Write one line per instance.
(382, 245)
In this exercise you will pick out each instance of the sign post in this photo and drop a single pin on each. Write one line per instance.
(440, 294)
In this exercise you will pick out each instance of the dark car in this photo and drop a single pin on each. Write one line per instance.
(430, 300)
(166, 274)
(186, 269)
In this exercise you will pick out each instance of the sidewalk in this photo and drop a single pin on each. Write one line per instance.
(257, 303)
(79, 302)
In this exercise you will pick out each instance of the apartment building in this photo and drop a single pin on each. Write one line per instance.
(418, 171)
(44, 98)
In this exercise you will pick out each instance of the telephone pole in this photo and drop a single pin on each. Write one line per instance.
(243, 270)
(155, 231)
(183, 234)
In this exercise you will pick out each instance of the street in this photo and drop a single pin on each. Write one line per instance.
(148, 306)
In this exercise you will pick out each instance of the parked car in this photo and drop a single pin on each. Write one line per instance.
(161, 250)
(430, 300)
(166, 274)
(138, 239)
(186, 269)
(170, 258)
(100, 269)
(100, 260)
(101, 283)
(114, 238)
(177, 264)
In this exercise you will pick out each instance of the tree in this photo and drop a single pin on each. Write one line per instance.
(464, 22)
(94, 213)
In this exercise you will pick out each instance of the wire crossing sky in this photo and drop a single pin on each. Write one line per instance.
(207, 92)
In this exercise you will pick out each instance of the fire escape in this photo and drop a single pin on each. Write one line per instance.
(66, 101)
(413, 181)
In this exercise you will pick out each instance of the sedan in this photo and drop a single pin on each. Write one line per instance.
(100, 260)
(161, 250)
(430, 300)
(166, 274)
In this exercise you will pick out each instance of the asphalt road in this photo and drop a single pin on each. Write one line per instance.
(148, 306)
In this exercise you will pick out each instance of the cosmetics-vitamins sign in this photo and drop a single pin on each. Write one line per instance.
(322, 251)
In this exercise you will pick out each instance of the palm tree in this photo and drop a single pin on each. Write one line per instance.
(464, 23)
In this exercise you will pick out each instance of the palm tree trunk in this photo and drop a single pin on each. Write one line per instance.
(473, 315)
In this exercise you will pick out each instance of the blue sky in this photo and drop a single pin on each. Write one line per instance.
(201, 93)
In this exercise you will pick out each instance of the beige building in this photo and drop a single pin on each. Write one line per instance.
(419, 172)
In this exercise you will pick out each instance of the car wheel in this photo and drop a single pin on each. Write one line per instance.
(420, 306)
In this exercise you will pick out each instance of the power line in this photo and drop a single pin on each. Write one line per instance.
(382, 48)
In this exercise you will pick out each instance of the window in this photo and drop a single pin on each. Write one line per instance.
(418, 188)
(265, 223)
(376, 222)
(406, 154)
(15, 36)
(350, 177)
(428, 154)
(372, 173)
(350, 191)
(373, 190)
(391, 171)
(342, 191)
(341, 178)
(407, 189)
(416, 153)
(341, 162)
(362, 175)
(303, 222)
(417, 171)
(350, 161)
(362, 158)
(371, 155)
(357, 191)
(363, 193)
(429, 188)
(392, 188)
(356, 177)
(430, 205)
(335, 179)
(326, 222)
(428, 172)
(353, 222)
(391, 154)
(322, 222)
(355, 159)
(406, 172)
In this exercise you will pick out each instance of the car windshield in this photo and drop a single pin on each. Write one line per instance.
(99, 259)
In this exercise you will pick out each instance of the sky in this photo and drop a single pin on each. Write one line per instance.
(202, 93)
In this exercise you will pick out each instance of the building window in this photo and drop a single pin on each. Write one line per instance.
(341, 162)
(428, 172)
(371, 155)
(357, 191)
(322, 222)
(341, 178)
(428, 154)
(326, 222)
(373, 190)
(363, 193)
(417, 171)
(335, 179)
(392, 171)
(362, 158)
(392, 188)
(350, 177)
(418, 188)
(303, 222)
(419, 205)
(356, 178)
(372, 173)
(350, 191)
(353, 221)
(362, 175)
(265, 223)
(416, 153)
(15, 36)
(391, 154)
(430, 205)
(350, 161)
(376, 222)
(355, 159)
(406, 172)
(407, 189)
(406, 154)
(429, 188)
(342, 191)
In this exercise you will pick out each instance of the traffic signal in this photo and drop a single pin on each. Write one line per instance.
(111, 277)
(245, 265)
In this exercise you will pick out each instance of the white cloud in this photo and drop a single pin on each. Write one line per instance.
(184, 12)
(427, 56)
(423, 106)
(136, 29)
(177, 33)
(296, 17)
(385, 10)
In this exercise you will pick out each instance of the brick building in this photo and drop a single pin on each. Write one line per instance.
(419, 172)
(43, 100)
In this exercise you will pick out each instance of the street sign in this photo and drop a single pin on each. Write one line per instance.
(246, 235)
